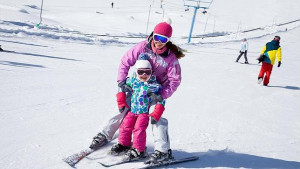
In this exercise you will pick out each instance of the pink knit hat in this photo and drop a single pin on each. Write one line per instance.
(163, 28)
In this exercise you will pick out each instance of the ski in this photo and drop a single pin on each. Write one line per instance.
(170, 162)
(119, 162)
(75, 158)
(153, 165)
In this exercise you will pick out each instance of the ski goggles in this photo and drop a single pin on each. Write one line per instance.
(161, 38)
(142, 71)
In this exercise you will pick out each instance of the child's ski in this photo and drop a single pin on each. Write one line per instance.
(119, 162)
(75, 158)
(152, 165)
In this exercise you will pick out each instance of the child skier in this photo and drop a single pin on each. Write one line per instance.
(135, 122)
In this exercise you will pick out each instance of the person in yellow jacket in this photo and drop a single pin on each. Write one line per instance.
(268, 56)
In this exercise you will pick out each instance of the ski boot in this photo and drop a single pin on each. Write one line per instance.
(133, 154)
(118, 149)
(159, 156)
(260, 79)
(98, 141)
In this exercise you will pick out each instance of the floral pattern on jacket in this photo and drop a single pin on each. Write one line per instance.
(140, 102)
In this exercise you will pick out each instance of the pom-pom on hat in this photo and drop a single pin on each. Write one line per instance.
(164, 28)
(142, 62)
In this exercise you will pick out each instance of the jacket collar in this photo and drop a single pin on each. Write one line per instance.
(275, 42)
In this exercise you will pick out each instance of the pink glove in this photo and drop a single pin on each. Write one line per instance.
(158, 111)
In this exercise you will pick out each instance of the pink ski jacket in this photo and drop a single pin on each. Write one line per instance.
(165, 67)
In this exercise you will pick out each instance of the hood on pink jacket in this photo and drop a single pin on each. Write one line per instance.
(166, 68)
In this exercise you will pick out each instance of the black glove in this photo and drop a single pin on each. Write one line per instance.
(124, 88)
(155, 98)
(261, 58)
(279, 63)
(153, 121)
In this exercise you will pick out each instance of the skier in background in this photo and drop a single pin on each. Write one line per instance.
(135, 122)
(112, 5)
(243, 51)
(268, 56)
(163, 57)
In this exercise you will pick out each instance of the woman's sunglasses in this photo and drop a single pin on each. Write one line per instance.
(142, 71)
(162, 39)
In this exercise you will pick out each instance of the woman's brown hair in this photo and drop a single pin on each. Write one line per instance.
(175, 49)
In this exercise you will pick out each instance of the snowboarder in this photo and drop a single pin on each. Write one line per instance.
(268, 56)
(243, 51)
(135, 122)
(163, 57)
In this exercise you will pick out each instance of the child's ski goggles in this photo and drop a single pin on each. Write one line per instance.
(142, 71)
(161, 38)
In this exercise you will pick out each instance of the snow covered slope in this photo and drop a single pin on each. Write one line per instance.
(58, 82)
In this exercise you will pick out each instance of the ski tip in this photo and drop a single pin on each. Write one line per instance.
(192, 158)
(70, 163)
(104, 165)
(196, 157)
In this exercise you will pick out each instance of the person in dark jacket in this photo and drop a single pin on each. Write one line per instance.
(268, 56)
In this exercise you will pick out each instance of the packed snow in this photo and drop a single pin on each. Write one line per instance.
(58, 81)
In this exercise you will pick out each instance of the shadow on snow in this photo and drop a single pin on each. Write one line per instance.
(287, 87)
(39, 55)
(226, 158)
(52, 57)
(18, 64)
(22, 43)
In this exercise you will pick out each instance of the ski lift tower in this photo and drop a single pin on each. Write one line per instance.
(196, 4)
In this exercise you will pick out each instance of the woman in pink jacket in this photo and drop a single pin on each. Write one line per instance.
(163, 57)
